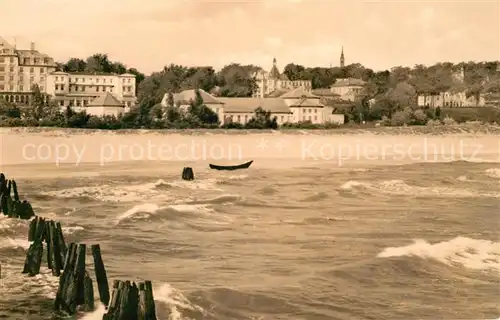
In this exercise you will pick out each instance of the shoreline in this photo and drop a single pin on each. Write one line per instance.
(488, 129)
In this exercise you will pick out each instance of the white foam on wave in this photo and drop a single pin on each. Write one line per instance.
(205, 184)
(108, 193)
(399, 187)
(175, 300)
(464, 179)
(166, 294)
(72, 230)
(470, 253)
(15, 283)
(131, 193)
(149, 209)
(14, 243)
(493, 173)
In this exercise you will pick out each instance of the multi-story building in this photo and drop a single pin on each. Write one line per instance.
(273, 81)
(451, 99)
(79, 89)
(20, 70)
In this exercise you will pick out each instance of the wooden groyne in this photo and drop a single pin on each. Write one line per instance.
(129, 301)
(10, 204)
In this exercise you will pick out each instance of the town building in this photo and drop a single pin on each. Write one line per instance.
(274, 81)
(295, 106)
(450, 98)
(348, 89)
(79, 89)
(20, 70)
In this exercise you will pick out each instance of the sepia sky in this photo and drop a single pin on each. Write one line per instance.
(148, 34)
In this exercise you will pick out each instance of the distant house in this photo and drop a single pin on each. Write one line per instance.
(449, 99)
(185, 97)
(297, 105)
(348, 88)
(268, 82)
(105, 105)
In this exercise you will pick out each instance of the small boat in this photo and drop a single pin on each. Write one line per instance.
(230, 168)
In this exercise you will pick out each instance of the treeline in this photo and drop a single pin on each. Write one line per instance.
(235, 80)
(197, 115)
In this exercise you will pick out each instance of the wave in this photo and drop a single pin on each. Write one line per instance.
(316, 197)
(466, 252)
(16, 284)
(14, 243)
(493, 173)
(170, 303)
(146, 210)
(399, 187)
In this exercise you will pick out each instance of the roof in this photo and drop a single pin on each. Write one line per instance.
(106, 100)
(299, 92)
(244, 105)
(187, 95)
(307, 103)
(276, 93)
(324, 92)
(346, 82)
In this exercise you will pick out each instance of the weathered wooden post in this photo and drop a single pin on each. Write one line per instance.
(100, 274)
(187, 174)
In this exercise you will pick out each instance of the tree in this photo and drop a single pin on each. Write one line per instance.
(262, 120)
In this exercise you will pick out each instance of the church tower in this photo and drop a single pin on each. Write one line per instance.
(342, 59)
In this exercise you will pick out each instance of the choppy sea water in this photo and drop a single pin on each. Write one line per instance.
(290, 238)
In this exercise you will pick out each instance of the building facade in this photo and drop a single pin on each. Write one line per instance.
(295, 106)
(20, 70)
(272, 81)
(79, 89)
(449, 99)
(348, 89)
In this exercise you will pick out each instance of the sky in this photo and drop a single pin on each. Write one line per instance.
(149, 34)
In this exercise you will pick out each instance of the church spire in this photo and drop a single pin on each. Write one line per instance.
(342, 59)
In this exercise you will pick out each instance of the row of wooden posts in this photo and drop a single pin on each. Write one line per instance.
(128, 301)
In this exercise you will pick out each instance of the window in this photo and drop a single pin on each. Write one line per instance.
(32, 70)
(2, 78)
(315, 118)
(78, 103)
(315, 110)
(76, 80)
(2, 60)
(41, 88)
(61, 103)
(1, 87)
(11, 69)
(2, 68)
(11, 60)
(21, 88)
(32, 79)
(239, 118)
(57, 87)
(37, 61)
(42, 78)
(21, 69)
(61, 86)
(42, 70)
(97, 88)
(104, 80)
(96, 80)
(26, 60)
(11, 78)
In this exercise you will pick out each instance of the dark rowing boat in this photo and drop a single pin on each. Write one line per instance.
(230, 168)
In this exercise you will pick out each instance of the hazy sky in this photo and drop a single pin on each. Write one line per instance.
(149, 34)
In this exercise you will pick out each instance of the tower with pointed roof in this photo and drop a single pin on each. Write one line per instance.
(342, 58)
(274, 74)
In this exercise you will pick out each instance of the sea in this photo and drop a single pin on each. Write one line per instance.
(386, 223)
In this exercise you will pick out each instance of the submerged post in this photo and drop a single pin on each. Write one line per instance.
(187, 174)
